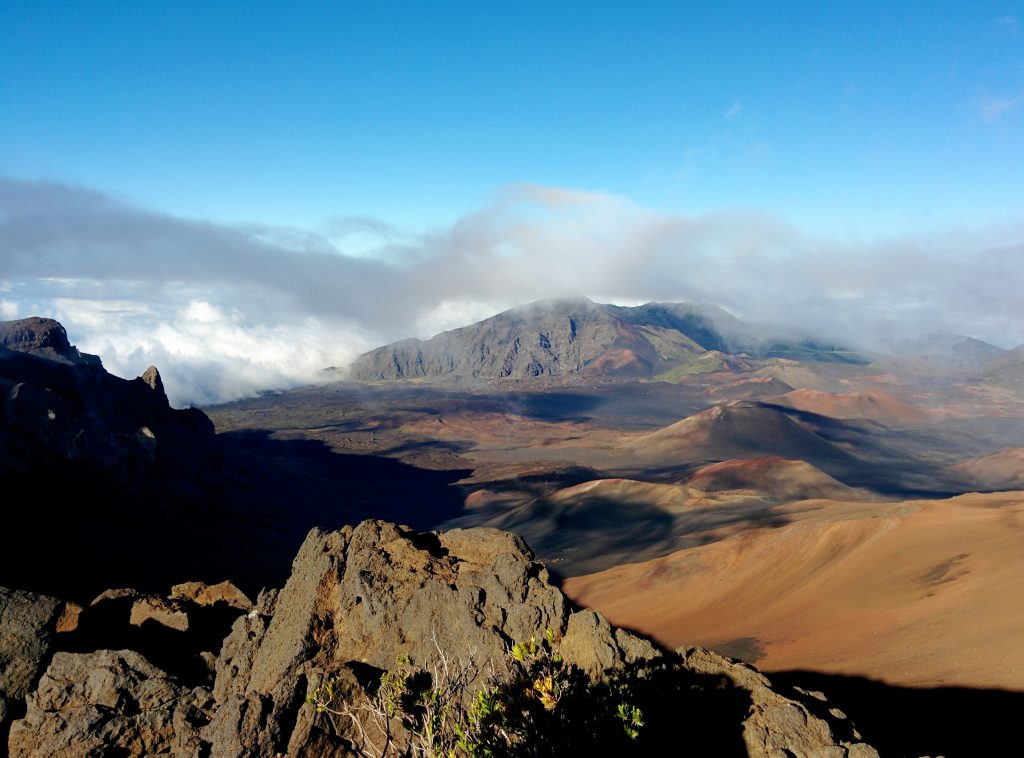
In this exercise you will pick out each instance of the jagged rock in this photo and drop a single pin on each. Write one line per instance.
(117, 466)
(361, 597)
(168, 613)
(115, 594)
(68, 621)
(151, 378)
(780, 726)
(177, 635)
(210, 594)
(109, 702)
(357, 600)
(27, 625)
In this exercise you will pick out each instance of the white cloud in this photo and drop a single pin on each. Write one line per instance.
(733, 110)
(206, 354)
(226, 311)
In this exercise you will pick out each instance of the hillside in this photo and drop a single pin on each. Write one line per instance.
(1001, 470)
(785, 480)
(919, 593)
(872, 405)
(949, 352)
(1007, 371)
(734, 430)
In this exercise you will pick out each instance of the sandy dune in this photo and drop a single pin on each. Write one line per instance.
(915, 593)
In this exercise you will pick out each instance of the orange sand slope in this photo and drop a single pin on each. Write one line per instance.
(917, 593)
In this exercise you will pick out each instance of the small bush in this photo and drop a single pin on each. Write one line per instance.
(543, 707)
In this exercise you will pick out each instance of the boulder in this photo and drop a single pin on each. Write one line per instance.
(201, 593)
(170, 613)
(109, 702)
(27, 626)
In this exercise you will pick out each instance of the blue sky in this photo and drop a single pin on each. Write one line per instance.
(864, 118)
(244, 193)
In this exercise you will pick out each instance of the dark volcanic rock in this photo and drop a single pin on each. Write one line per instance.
(110, 702)
(360, 598)
(109, 466)
(42, 337)
(27, 626)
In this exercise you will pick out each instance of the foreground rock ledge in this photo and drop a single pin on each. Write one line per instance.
(359, 598)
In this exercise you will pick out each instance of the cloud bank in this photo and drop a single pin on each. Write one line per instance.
(229, 310)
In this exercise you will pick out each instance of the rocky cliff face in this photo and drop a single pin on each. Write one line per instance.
(358, 600)
(58, 405)
(44, 338)
(87, 457)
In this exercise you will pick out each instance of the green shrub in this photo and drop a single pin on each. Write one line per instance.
(543, 707)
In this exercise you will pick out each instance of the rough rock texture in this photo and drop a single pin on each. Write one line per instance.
(110, 702)
(362, 597)
(170, 613)
(356, 601)
(201, 593)
(27, 626)
(779, 726)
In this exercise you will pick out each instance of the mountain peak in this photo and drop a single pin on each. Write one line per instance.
(44, 338)
(554, 337)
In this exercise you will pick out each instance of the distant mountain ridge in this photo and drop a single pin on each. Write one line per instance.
(574, 336)
(43, 338)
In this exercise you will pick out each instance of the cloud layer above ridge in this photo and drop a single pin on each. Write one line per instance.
(228, 310)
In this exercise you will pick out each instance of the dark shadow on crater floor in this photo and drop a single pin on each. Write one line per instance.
(247, 528)
(305, 479)
(955, 722)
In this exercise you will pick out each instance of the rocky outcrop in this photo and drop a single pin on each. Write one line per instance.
(107, 462)
(357, 601)
(777, 725)
(42, 337)
(109, 702)
(201, 593)
(27, 626)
